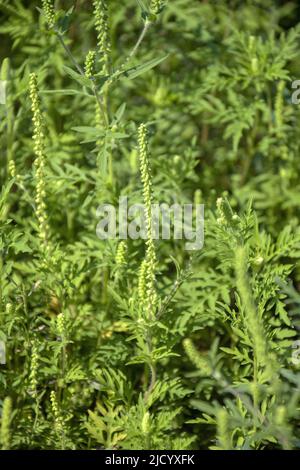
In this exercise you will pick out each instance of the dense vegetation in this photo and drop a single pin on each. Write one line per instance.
(141, 344)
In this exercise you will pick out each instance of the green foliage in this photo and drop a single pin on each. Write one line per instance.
(134, 344)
